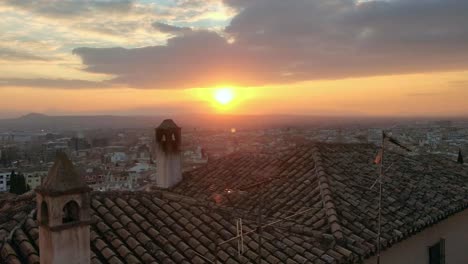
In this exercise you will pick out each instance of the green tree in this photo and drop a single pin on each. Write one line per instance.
(460, 157)
(18, 183)
(13, 182)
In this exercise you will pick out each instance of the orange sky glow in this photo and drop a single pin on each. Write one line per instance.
(401, 95)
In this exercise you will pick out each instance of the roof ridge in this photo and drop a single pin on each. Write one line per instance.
(326, 193)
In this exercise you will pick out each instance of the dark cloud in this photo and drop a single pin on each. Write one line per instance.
(67, 9)
(279, 41)
(191, 60)
(238, 3)
(14, 55)
(51, 83)
(165, 28)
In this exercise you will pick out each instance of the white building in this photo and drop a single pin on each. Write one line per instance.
(139, 168)
(5, 181)
(34, 178)
(117, 157)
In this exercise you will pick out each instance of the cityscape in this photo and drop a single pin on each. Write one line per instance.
(123, 159)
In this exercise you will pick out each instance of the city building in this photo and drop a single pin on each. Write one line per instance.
(118, 157)
(34, 178)
(5, 181)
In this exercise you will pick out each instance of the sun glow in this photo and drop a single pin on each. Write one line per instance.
(224, 96)
(223, 99)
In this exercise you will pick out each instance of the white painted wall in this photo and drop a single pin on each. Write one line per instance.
(4, 178)
(415, 250)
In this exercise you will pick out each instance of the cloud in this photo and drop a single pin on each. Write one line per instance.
(187, 61)
(15, 55)
(280, 41)
(80, 17)
(165, 28)
(267, 42)
(52, 83)
(99, 23)
(238, 3)
(67, 9)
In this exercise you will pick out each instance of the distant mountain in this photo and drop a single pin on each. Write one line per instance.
(37, 121)
(32, 116)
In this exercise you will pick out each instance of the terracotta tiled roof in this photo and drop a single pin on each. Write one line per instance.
(143, 227)
(328, 184)
(418, 190)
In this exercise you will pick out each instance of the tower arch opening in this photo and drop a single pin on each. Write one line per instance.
(71, 212)
(44, 213)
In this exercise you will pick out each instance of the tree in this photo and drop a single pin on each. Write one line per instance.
(18, 183)
(13, 182)
(460, 157)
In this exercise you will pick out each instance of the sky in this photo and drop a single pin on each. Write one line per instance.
(307, 57)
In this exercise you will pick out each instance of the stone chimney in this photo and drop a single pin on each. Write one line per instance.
(63, 202)
(168, 156)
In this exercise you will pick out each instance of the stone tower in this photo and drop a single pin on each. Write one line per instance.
(168, 156)
(63, 202)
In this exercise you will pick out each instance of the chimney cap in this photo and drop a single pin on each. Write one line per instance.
(168, 124)
(63, 178)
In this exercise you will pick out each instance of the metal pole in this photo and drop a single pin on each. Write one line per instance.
(259, 227)
(241, 236)
(266, 225)
(380, 198)
(238, 240)
(216, 244)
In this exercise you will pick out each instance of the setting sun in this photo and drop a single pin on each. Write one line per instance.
(224, 96)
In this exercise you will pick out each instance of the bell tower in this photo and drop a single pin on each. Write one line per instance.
(168, 154)
(63, 202)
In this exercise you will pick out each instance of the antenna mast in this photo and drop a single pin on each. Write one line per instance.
(380, 197)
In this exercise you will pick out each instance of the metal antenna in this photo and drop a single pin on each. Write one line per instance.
(240, 234)
(259, 227)
(273, 223)
(380, 198)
